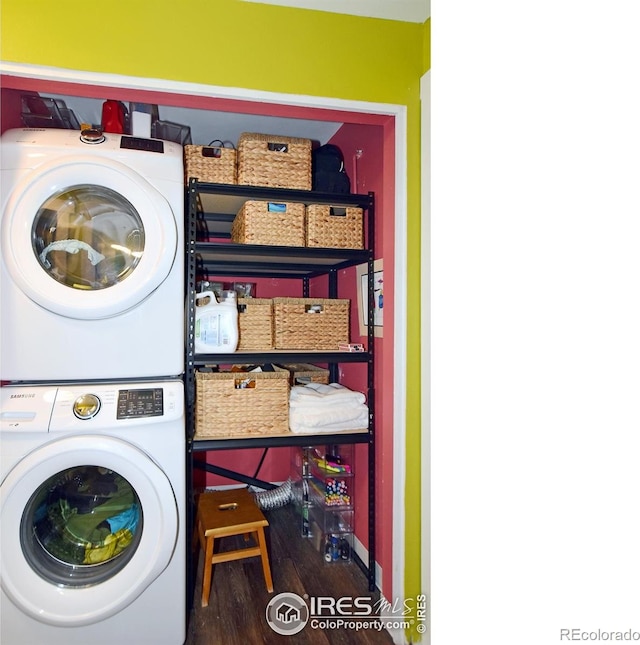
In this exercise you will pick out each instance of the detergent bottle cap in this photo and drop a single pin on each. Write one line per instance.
(229, 296)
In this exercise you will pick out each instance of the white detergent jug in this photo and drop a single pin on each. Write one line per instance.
(216, 323)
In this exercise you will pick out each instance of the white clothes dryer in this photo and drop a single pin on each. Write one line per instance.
(92, 264)
(92, 514)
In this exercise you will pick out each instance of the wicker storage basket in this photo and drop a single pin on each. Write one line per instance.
(255, 323)
(273, 160)
(272, 223)
(225, 409)
(301, 373)
(215, 164)
(339, 228)
(308, 323)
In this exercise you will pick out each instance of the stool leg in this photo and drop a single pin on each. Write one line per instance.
(264, 556)
(207, 571)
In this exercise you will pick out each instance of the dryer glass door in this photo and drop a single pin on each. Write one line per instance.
(89, 240)
(88, 237)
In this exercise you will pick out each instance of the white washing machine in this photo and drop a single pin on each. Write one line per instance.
(92, 256)
(92, 514)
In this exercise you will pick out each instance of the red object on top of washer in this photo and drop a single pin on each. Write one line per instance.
(113, 117)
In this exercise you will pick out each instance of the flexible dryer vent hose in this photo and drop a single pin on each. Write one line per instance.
(274, 498)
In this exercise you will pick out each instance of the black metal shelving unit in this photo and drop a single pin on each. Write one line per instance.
(210, 210)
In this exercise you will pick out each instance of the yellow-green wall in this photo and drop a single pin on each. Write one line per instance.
(426, 47)
(256, 46)
(224, 42)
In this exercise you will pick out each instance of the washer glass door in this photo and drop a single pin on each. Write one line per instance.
(81, 526)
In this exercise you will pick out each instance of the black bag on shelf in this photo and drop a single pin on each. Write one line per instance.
(328, 173)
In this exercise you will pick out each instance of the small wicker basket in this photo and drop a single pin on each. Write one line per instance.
(333, 227)
(255, 323)
(215, 164)
(301, 373)
(224, 408)
(310, 324)
(271, 223)
(274, 160)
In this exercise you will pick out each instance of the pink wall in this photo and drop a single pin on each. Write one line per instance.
(370, 162)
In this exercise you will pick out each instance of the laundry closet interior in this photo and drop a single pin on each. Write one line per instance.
(367, 141)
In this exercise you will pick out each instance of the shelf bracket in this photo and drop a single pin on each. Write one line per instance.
(231, 474)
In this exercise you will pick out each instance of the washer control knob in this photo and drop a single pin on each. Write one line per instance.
(86, 406)
(92, 136)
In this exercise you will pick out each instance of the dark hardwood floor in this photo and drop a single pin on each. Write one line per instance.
(236, 611)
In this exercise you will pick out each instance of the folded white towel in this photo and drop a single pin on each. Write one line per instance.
(319, 394)
(316, 407)
(334, 415)
(360, 423)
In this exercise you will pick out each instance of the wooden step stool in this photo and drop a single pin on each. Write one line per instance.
(222, 514)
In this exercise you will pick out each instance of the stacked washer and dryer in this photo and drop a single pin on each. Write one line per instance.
(92, 433)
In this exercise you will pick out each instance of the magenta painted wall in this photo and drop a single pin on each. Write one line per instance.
(369, 161)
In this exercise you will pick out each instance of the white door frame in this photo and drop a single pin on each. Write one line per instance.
(399, 112)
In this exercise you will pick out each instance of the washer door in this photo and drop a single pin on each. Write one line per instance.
(87, 523)
(87, 240)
